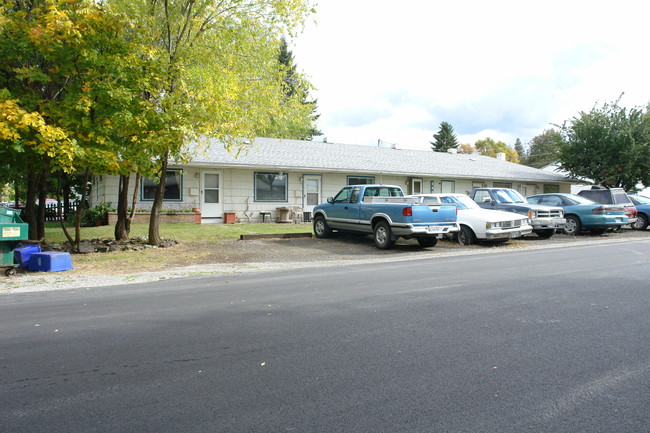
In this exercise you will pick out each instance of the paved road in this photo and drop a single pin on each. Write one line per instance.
(552, 340)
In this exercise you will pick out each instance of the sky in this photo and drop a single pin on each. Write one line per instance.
(394, 70)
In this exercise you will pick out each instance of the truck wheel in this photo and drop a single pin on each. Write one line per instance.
(573, 225)
(321, 228)
(10, 271)
(383, 236)
(641, 222)
(466, 236)
(545, 233)
(427, 241)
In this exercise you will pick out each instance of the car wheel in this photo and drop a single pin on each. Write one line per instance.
(545, 233)
(321, 228)
(466, 236)
(641, 222)
(383, 236)
(573, 225)
(427, 241)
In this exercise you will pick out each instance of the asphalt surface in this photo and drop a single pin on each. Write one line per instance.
(542, 340)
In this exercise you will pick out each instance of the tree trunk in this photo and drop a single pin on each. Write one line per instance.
(134, 201)
(154, 221)
(121, 229)
(30, 202)
(60, 212)
(80, 209)
(42, 203)
(66, 196)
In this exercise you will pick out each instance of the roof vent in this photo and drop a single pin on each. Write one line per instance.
(501, 156)
(452, 150)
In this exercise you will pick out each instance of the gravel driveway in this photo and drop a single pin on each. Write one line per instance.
(272, 255)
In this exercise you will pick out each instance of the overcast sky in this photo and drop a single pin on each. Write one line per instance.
(393, 70)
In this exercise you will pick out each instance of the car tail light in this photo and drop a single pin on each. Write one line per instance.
(601, 210)
(407, 211)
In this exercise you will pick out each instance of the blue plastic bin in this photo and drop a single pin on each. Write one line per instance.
(50, 261)
(22, 254)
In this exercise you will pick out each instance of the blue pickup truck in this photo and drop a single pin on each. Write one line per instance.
(382, 210)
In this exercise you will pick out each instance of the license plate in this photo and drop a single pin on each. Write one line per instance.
(435, 229)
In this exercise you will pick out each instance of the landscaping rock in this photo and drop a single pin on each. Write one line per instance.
(86, 247)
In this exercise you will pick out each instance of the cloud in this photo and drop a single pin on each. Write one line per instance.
(507, 68)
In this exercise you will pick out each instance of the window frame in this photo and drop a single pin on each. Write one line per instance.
(370, 179)
(144, 183)
(276, 173)
(550, 188)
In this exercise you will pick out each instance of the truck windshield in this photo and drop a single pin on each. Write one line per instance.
(509, 196)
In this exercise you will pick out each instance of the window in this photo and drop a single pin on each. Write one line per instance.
(551, 200)
(173, 187)
(343, 196)
(360, 180)
(383, 191)
(478, 184)
(502, 184)
(481, 196)
(551, 188)
(271, 186)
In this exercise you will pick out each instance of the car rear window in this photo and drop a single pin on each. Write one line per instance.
(621, 198)
(599, 196)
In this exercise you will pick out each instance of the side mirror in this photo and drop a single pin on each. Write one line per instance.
(487, 200)
(330, 199)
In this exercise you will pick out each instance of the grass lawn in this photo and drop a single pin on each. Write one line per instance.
(184, 232)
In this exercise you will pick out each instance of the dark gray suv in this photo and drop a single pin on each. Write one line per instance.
(603, 195)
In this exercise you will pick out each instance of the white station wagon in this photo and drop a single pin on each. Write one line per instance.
(480, 224)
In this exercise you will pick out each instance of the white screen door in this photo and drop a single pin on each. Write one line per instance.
(311, 191)
(211, 197)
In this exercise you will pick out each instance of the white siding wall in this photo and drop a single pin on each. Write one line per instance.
(237, 189)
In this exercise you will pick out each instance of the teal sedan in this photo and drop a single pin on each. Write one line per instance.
(642, 205)
(584, 214)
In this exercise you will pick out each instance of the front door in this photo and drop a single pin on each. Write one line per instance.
(211, 195)
(311, 192)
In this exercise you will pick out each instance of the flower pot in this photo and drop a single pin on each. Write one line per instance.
(229, 218)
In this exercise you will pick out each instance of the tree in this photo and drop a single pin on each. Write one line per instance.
(220, 73)
(489, 147)
(544, 149)
(445, 139)
(519, 148)
(298, 115)
(466, 148)
(610, 145)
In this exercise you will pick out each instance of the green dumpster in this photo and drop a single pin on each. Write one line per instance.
(12, 230)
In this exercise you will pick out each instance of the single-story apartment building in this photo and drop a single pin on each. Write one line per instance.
(272, 175)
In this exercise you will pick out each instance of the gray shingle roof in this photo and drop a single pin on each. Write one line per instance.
(332, 157)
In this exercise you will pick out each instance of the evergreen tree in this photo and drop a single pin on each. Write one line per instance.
(520, 149)
(445, 138)
(298, 121)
